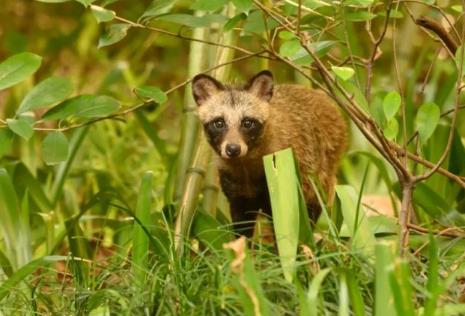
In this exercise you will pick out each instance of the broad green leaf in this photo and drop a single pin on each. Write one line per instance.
(289, 48)
(391, 104)
(17, 68)
(158, 7)
(391, 129)
(457, 8)
(208, 5)
(360, 16)
(46, 93)
(53, 1)
(231, 23)
(283, 184)
(345, 73)
(242, 5)
(21, 127)
(427, 120)
(55, 148)
(255, 23)
(85, 3)
(83, 106)
(362, 3)
(114, 34)
(153, 93)
(102, 14)
(286, 35)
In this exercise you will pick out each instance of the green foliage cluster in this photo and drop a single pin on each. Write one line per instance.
(109, 201)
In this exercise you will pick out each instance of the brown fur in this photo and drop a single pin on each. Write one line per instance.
(295, 116)
(307, 121)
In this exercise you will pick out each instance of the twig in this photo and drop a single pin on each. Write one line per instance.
(138, 106)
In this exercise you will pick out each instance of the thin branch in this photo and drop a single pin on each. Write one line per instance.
(147, 103)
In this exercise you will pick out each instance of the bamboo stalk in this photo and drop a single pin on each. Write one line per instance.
(196, 174)
(190, 126)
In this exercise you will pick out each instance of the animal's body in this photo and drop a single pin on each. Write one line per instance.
(247, 122)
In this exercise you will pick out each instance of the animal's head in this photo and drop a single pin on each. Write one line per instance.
(233, 117)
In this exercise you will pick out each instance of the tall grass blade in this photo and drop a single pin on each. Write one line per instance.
(432, 285)
(247, 280)
(343, 296)
(399, 279)
(363, 239)
(314, 290)
(384, 299)
(63, 168)
(12, 224)
(151, 133)
(355, 294)
(140, 242)
(25, 271)
(283, 185)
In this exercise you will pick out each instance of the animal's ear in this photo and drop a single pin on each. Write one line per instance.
(203, 87)
(261, 85)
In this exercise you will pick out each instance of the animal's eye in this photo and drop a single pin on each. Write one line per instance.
(248, 123)
(219, 123)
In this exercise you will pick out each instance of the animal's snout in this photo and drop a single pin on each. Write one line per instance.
(233, 150)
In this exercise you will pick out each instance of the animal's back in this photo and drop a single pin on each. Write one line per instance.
(308, 121)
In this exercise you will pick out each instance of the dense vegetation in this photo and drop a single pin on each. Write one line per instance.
(109, 198)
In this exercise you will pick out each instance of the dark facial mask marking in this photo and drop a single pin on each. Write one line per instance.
(251, 129)
(215, 134)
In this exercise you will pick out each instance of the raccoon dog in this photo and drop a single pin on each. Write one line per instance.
(244, 123)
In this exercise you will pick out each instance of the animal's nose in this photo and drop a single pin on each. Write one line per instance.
(233, 150)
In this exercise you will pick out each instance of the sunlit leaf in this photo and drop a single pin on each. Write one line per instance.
(21, 127)
(286, 35)
(208, 5)
(153, 93)
(391, 129)
(114, 34)
(289, 48)
(231, 23)
(427, 120)
(242, 5)
(55, 148)
(360, 16)
(158, 7)
(17, 68)
(345, 73)
(283, 184)
(46, 93)
(362, 3)
(102, 14)
(83, 106)
(85, 3)
(391, 104)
